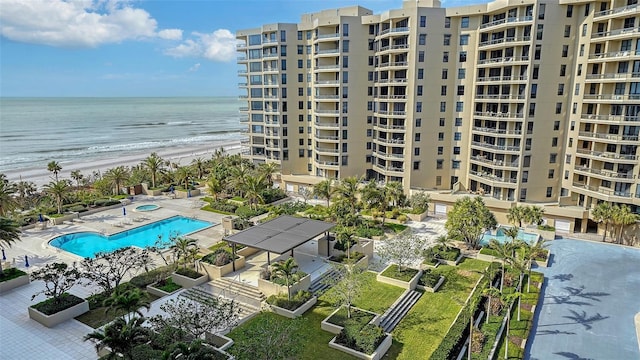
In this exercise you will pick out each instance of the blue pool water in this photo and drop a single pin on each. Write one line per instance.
(502, 238)
(87, 244)
(149, 207)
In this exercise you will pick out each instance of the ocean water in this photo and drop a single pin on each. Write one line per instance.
(34, 131)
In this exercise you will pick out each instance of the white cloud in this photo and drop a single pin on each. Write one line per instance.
(194, 68)
(219, 45)
(78, 23)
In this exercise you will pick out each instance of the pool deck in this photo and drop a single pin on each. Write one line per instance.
(590, 303)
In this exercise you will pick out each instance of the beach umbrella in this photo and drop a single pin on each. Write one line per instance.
(26, 261)
(40, 218)
(124, 211)
(4, 257)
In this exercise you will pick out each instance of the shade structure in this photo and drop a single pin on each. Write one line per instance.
(124, 211)
(281, 234)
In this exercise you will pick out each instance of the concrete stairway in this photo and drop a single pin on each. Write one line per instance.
(323, 283)
(201, 295)
(391, 318)
(238, 291)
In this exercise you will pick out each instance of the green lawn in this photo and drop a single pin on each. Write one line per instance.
(98, 315)
(376, 297)
(424, 327)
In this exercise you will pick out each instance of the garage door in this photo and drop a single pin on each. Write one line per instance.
(563, 226)
(441, 209)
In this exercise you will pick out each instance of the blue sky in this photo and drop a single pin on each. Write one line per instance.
(137, 48)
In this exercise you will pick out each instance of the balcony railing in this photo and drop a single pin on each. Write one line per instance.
(389, 168)
(500, 97)
(390, 127)
(389, 155)
(626, 9)
(506, 20)
(499, 114)
(611, 97)
(612, 76)
(513, 164)
(328, 51)
(327, 67)
(505, 40)
(390, 141)
(394, 47)
(327, 112)
(503, 60)
(616, 118)
(394, 63)
(492, 177)
(607, 155)
(502, 78)
(392, 97)
(328, 36)
(614, 54)
(495, 147)
(326, 150)
(624, 31)
(614, 137)
(327, 82)
(603, 190)
(497, 131)
(393, 30)
(607, 173)
(391, 112)
(327, 97)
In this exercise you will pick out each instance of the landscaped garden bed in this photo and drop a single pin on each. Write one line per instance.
(188, 278)
(163, 287)
(357, 258)
(406, 278)
(369, 342)
(276, 285)
(430, 281)
(444, 254)
(335, 322)
(12, 278)
(298, 305)
(219, 263)
(543, 260)
(51, 312)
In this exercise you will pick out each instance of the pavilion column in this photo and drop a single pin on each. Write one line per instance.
(233, 256)
(268, 258)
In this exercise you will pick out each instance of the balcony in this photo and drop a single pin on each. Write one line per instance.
(494, 162)
(326, 112)
(611, 97)
(607, 173)
(497, 131)
(333, 165)
(600, 190)
(390, 127)
(243, 108)
(607, 155)
(614, 55)
(501, 115)
(502, 78)
(392, 81)
(610, 118)
(327, 97)
(391, 97)
(495, 147)
(509, 39)
(612, 76)
(241, 46)
(393, 31)
(269, 55)
(390, 141)
(327, 82)
(328, 51)
(500, 97)
(393, 47)
(270, 69)
(327, 36)
(392, 64)
(391, 112)
(611, 137)
(389, 156)
(509, 59)
(628, 10)
(326, 67)
(627, 31)
(327, 137)
(510, 20)
(242, 84)
(241, 59)
(493, 178)
(327, 125)
(388, 168)
(321, 150)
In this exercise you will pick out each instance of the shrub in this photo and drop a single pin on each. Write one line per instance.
(395, 213)
(509, 279)
(428, 278)
(368, 232)
(141, 281)
(270, 195)
(10, 274)
(405, 275)
(488, 251)
(245, 212)
(280, 280)
(546, 228)
(223, 206)
(188, 272)
(355, 257)
(241, 224)
(442, 252)
(477, 341)
(296, 301)
(219, 257)
(402, 218)
(290, 208)
(50, 306)
(265, 274)
(365, 339)
(105, 202)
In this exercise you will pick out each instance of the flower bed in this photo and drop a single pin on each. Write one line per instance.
(407, 278)
(13, 278)
(429, 281)
(50, 313)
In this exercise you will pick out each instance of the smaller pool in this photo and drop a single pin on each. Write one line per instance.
(149, 207)
(529, 238)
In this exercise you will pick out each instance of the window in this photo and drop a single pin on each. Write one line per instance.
(416, 165)
(445, 56)
(464, 22)
(300, 91)
(523, 194)
(587, 9)
(565, 50)
(447, 22)
(458, 122)
(345, 61)
(439, 164)
(419, 106)
(283, 50)
(525, 176)
(567, 159)
(552, 158)
(447, 40)
(440, 136)
(300, 105)
(460, 90)
(532, 109)
(418, 122)
(541, 10)
(300, 78)
(534, 91)
(422, 39)
(443, 106)
(563, 70)
(420, 73)
(549, 191)
(567, 31)
(416, 151)
(438, 180)
(560, 89)
(462, 73)
(284, 79)
(538, 52)
(558, 108)
(443, 90)
(459, 106)
(584, 30)
(299, 35)
(456, 150)
(420, 56)
(300, 64)
(300, 129)
(463, 56)
(423, 21)
(582, 50)
(569, 11)
(464, 39)
(536, 72)
(455, 164)
(345, 77)
(417, 137)
(457, 136)
(444, 74)
(440, 150)
(441, 121)
(345, 29)
(579, 72)
(539, 32)
(419, 90)
(345, 45)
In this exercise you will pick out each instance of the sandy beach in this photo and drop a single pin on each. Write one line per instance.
(180, 155)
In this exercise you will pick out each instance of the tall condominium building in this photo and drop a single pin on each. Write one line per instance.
(518, 101)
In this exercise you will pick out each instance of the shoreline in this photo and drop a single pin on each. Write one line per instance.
(180, 155)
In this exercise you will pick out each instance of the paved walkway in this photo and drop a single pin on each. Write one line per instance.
(591, 295)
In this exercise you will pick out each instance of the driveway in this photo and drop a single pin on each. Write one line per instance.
(591, 295)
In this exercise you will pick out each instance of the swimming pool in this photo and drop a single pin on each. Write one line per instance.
(148, 207)
(87, 244)
(529, 238)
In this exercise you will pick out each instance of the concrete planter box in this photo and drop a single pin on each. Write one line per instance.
(147, 191)
(59, 317)
(417, 217)
(159, 293)
(541, 263)
(297, 312)
(61, 219)
(182, 194)
(411, 285)
(545, 234)
(378, 354)
(269, 288)
(452, 263)
(424, 266)
(363, 263)
(433, 289)
(247, 251)
(335, 329)
(216, 272)
(187, 282)
(489, 258)
(218, 340)
(14, 283)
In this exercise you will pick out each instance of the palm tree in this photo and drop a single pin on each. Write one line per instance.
(7, 202)
(253, 187)
(348, 188)
(239, 176)
(155, 165)
(345, 236)
(286, 269)
(9, 234)
(533, 214)
(324, 190)
(507, 299)
(24, 189)
(531, 252)
(512, 233)
(491, 293)
(622, 216)
(267, 170)
(129, 301)
(199, 166)
(443, 241)
(516, 215)
(505, 252)
(214, 186)
(182, 249)
(194, 350)
(121, 337)
(371, 194)
(117, 176)
(59, 190)
(182, 176)
(77, 176)
(54, 167)
(603, 214)
(394, 192)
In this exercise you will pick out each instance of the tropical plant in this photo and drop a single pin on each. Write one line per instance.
(239, 176)
(199, 165)
(403, 250)
(530, 253)
(267, 170)
(324, 190)
(195, 350)
(517, 214)
(271, 337)
(77, 176)
(533, 214)
(155, 165)
(58, 278)
(419, 202)
(55, 168)
(108, 269)
(347, 189)
(371, 194)
(508, 299)
(121, 336)
(253, 187)
(444, 241)
(215, 187)
(25, 190)
(622, 216)
(60, 190)
(505, 253)
(469, 219)
(345, 237)
(116, 177)
(394, 192)
(127, 300)
(7, 202)
(285, 269)
(603, 213)
(183, 249)
(9, 234)
(491, 293)
(182, 176)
